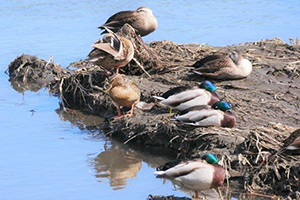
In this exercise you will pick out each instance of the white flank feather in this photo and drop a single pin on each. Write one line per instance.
(159, 98)
(188, 99)
(203, 117)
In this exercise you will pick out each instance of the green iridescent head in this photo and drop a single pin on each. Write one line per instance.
(209, 86)
(221, 105)
(210, 158)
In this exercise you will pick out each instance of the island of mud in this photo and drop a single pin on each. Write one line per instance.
(266, 105)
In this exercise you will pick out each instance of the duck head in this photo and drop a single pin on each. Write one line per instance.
(209, 86)
(236, 57)
(210, 158)
(221, 105)
(144, 9)
(117, 80)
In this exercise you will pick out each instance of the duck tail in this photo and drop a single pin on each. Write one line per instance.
(159, 98)
(159, 174)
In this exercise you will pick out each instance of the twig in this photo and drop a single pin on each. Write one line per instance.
(141, 66)
(134, 137)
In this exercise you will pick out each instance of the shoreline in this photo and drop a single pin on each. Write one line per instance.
(266, 105)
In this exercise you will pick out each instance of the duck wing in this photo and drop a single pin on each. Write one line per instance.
(111, 44)
(204, 117)
(116, 21)
(212, 63)
(175, 90)
(181, 169)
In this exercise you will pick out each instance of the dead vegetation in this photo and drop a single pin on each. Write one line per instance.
(266, 105)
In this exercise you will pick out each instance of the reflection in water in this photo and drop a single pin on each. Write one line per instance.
(117, 164)
(79, 119)
(21, 87)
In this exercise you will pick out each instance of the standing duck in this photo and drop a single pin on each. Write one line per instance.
(124, 92)
(112, 51)
(218, 114)
(142, 20)
(195, 174)
(233, 66)
(184, 97)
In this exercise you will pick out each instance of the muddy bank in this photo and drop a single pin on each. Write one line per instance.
(266, 105)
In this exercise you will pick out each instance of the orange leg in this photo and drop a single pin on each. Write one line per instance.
(131, 111)
(117, 72)
(119, 113)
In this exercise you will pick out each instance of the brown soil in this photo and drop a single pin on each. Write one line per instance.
(266, 105)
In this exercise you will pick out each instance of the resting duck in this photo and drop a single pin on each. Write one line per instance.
(218, 114)
(184, 97)
(233, 66)
(195, 174)
(112, 51)
(124, 92)
(141, 20)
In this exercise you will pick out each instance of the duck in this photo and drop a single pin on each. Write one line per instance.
(142, 20)
(113, 51)
(197, 174)
(224, 67)
(291, 144)
(124, 92)
(184, 97)
(219, 114)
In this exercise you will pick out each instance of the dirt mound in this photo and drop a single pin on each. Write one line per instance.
(266, 105)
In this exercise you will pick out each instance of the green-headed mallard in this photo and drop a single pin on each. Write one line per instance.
(195, 174)
(141, 20)
(184, 97)
(112, 51)
(233, 66)
(124, 92)
(218, 114)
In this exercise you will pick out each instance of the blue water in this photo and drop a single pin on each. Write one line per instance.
(45, 157)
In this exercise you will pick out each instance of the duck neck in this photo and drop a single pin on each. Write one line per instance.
(218, 176)
(228, 120)
(213, 99)
(245, 67)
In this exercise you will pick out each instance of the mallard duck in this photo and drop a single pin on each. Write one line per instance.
(218, 114)
(141, 20)
(195, 174)
(112, 51)
(233, 66)
(124, 92)
(184, 97)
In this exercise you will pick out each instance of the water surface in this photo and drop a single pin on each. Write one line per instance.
(47, 155)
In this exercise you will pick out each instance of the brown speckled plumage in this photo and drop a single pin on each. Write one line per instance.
(124, 92)
(233, 66)
(142, 20)
(112, 51)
